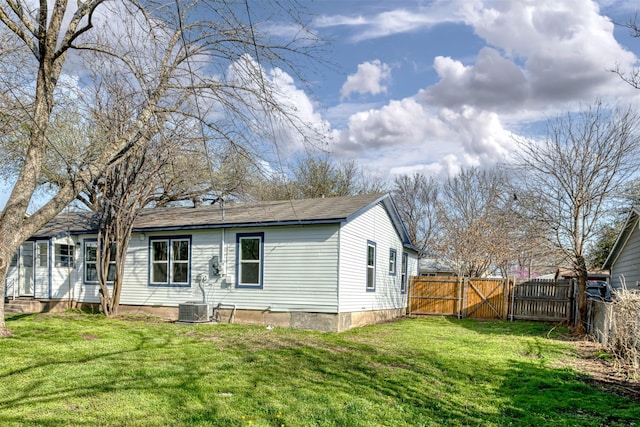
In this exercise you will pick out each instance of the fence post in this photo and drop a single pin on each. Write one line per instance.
(505, 298)
(460, 298)
(410, 295)
(465, 289)
(513, 297)
(574, 302)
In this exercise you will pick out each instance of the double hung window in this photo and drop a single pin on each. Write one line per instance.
(92, 262)
(403, 272)
(170, 261)
(392, 262)
(249, 259)
(371, 266)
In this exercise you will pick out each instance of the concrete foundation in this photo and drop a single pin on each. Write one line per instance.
(323, 322)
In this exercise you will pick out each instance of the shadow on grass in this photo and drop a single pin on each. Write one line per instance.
(508, 327)
(17, 316)
(165, 376)
(550, 396)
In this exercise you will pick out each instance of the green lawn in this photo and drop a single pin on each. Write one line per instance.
(80, 369)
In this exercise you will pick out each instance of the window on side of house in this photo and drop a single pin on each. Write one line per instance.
(14, 260)
(403, 272)
(371, 266)
(392, 262)
(63, 255)
(43, 254)
(92, 262)
(170, 261)
(249, 260)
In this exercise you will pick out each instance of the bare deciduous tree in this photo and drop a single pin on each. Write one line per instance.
(202, 60)
(573, 175)
(475, 232)
(316, 176)
(415, 197)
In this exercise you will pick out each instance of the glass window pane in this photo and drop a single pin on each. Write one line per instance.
(160, 251)
(43, 255)
(180, 250)
(112, 248)
(180, 273)
(111, 272)
(27, 255)
(91, 252)
(392, 261)
(250, 273)
(250, 249)
(14, 260)
(370, 277)
(159, 273)
(91, 273)
(371, 259)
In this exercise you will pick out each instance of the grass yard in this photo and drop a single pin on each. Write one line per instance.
(81, 369)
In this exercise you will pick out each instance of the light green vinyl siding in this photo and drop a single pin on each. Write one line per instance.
(372, 225)
(628, 262)
(300, 271)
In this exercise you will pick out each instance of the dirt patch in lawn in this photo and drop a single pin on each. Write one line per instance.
(602, 371)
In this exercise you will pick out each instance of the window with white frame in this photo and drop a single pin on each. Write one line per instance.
(91, 262)
(170, 261)
(371, 266)
(403, 272)
(249, 259)
(392, 261)
(63, 254)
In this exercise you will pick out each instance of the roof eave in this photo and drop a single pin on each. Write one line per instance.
(239, 225)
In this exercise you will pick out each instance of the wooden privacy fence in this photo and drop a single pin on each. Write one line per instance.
(546, 300)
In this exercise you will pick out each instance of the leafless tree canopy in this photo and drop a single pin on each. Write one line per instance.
(169, 63)
(571, 177)
(415, 197)
(316, 175)
(476, 233)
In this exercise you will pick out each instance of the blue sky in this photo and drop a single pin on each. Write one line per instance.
(433, 86)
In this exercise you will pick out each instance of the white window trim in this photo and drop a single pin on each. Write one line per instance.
(371, 287)
(170, 261)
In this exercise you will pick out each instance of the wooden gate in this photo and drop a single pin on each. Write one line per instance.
(545, 300)
(462, 297)
(486, 298)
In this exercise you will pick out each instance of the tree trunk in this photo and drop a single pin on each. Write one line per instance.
(581, 321)
(4, 332)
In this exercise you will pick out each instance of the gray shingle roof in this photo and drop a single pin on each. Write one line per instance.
(304, 211)
(69, 223)
(288, 212)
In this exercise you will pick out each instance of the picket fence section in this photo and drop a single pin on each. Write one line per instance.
(544, 300)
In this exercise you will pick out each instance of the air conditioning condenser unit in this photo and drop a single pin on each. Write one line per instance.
(193, 312)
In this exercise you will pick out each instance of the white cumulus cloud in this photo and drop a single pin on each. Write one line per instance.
(369, 78)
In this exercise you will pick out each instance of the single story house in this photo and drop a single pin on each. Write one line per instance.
(623, 261)
(325, 264)
(433, 267)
